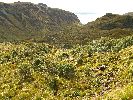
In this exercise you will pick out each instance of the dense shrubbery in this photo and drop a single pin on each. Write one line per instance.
(107, 44)
(40, 71)
(99, 67)
(66, 71)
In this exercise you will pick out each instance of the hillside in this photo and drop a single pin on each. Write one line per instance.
(39, 23)
(101, 70)
(47, 54)
(109, 25)
(25, 20)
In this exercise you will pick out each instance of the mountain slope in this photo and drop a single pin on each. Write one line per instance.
(40, 23)
(24, 20)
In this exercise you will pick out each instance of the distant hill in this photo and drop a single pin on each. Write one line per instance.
(109, 25)
(40, 23)
(111, 21)
(129, 13)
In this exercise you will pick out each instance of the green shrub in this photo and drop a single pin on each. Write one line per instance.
(25, 73)
(14, 53)
(53, 84)
(66, 71)
(38, 64)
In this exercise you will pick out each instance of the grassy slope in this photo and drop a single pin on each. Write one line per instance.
(41, 71)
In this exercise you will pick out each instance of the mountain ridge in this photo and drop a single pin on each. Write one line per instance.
(40, 23)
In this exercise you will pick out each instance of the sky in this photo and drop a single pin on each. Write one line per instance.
(86, 10)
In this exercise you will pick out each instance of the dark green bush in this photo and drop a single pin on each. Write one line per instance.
(14, 53)
(66, 71)
(25, 73)
(53, 84)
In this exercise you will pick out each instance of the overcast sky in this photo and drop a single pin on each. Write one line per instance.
(87, 10)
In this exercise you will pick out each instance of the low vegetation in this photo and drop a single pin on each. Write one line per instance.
(47, 54)
(102, 69)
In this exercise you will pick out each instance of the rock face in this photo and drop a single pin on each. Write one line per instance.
(25, 20)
